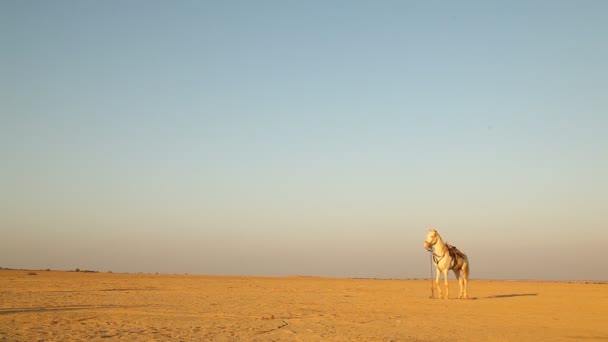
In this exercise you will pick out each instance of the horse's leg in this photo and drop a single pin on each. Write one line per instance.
(460, 284)
(447, 286)
(437, 281)
(457, 274)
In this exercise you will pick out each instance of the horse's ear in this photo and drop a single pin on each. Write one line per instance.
(432, 230)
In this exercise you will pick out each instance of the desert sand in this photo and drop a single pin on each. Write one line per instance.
(79, 306)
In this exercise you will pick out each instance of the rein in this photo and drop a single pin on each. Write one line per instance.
(435, 260)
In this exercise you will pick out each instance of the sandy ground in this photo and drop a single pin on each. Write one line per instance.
(78, 306)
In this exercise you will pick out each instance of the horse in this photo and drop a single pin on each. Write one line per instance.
(447, 257)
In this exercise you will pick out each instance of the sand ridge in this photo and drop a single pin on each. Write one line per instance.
(73, 306)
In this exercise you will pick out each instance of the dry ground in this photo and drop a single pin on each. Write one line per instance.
(78, 306)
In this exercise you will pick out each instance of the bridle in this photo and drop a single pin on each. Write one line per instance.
(432, 250)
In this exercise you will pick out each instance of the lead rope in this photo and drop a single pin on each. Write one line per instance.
(431, 277)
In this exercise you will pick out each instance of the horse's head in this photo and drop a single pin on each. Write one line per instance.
(431, 239)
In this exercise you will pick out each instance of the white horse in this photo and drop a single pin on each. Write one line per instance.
(447, 257)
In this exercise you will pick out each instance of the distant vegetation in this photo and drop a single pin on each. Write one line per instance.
(87, 271)
(48, 270)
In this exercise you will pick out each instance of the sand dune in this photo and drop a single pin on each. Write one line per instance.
(78, 306)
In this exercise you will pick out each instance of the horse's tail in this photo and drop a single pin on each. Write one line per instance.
(466, 268)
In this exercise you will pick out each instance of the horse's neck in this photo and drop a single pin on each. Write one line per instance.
(440, 246)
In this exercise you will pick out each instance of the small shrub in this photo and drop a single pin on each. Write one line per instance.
(77, 270)
(32, 273)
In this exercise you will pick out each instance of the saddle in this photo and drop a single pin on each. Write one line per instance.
(456, 254)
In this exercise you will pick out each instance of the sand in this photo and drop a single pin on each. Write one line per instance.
(79, 306)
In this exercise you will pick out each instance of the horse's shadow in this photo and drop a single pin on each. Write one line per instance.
(8, 311)
(510, 295)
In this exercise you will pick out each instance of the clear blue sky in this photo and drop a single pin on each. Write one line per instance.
(304, 138)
